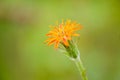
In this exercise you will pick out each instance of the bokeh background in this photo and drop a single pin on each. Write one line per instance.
(24, 23)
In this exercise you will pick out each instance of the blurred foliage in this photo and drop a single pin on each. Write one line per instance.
(24, 23)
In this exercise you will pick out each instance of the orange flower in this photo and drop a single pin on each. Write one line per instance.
(63, 33)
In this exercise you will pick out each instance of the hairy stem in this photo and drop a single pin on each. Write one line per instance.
(81, 68)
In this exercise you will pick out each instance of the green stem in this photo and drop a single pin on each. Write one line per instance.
(81, 68)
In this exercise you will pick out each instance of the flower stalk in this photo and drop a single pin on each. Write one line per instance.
(74, 55)
(81, 68)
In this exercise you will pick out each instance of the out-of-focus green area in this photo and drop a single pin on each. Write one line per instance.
(24, 23)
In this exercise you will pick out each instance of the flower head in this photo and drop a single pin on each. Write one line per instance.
(63, 33)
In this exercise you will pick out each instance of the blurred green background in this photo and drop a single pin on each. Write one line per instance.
(24, 23)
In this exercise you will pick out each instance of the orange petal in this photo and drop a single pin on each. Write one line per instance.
(51, 41)
(56, 45)
(76, 34)
(65, 42)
